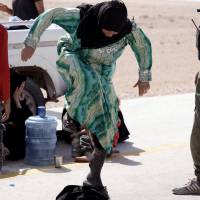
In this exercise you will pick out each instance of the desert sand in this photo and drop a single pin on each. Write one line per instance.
(168, 25)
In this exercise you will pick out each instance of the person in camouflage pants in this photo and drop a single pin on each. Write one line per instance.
(193, 187)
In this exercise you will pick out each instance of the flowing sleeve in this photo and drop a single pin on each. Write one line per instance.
(68, 19)
(141, 46)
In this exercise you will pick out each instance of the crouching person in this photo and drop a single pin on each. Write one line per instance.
(14, 136)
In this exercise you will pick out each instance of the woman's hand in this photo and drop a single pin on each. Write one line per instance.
(27, 52)
(143, 87)
(4, 8)
(6, 113)
(17, 96)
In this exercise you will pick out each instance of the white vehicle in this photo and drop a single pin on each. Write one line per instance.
(41, 68)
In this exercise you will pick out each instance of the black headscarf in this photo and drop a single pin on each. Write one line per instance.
(111, 15)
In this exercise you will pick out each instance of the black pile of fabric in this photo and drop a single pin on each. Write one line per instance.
(75, 192)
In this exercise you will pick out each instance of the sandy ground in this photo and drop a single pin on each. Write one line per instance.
(168, 25)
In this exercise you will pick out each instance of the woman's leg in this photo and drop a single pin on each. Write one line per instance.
(96, 163)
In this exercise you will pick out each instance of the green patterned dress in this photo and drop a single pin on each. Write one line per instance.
(90, 96)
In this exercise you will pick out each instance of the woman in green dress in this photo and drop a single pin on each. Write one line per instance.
(96, 36)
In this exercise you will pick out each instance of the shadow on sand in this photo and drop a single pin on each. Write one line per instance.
(126, 149)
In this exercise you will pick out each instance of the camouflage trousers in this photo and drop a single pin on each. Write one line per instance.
(195, 135)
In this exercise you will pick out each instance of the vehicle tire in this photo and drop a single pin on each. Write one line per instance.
(33, 95)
